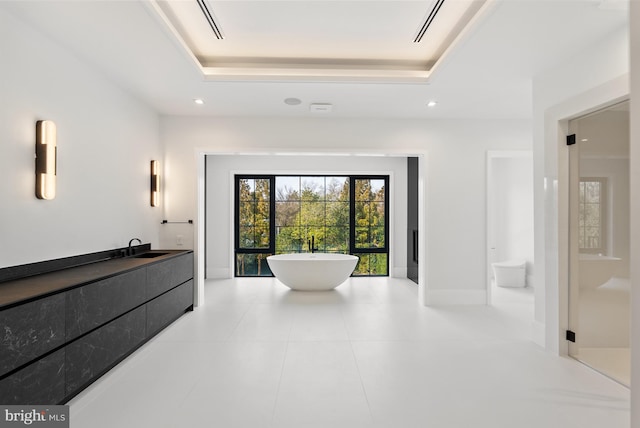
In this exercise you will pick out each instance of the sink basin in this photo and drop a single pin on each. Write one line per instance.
(149, 255)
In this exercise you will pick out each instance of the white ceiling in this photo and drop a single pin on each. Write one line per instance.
(315, 40)
(487, 74)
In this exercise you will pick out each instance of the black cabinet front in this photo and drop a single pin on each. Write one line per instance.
(39, 383)
(162, 277)
(53, 347)
(30, 331)
(165, 309)
(95, 304)
(90, 356)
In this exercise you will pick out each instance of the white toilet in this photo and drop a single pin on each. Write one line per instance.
(511, 273)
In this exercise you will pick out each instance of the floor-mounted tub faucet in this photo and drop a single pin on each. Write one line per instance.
(312, 244)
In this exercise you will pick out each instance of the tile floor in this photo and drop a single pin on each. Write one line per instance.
(364, 355)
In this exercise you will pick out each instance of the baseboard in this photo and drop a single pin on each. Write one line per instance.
(455, 297)
(218, 273)
(538, 334)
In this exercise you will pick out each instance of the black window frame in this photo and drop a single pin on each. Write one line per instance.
(353, 249)
(352, 220)
(272, 220)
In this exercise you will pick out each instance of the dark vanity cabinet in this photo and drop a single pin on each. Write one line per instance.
(54, 346)
(31, 370)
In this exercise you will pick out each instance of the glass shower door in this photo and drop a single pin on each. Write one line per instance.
(599, 286)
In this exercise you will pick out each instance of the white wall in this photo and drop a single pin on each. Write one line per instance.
(635, 210)
(455, 175)
(219, 195)
(106, 139)
(561, 93)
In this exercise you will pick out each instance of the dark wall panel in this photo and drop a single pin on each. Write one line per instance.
(412, 219)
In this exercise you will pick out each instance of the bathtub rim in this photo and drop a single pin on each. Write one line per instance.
(313, 256)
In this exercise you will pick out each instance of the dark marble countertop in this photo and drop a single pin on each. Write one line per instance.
(30, 288)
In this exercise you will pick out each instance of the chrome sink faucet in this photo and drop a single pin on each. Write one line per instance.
(130, 249)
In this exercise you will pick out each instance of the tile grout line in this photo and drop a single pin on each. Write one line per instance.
(284, 360)
(376, 301)
(244, 314)
(355, 360)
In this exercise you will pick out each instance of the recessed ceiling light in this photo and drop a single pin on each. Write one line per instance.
(432, 103)
(198, 101)
(584, 140)
(292, 101)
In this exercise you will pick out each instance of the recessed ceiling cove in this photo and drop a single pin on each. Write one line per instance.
(361, 40)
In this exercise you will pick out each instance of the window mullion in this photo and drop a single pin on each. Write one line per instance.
(352, 215)
(272, 214)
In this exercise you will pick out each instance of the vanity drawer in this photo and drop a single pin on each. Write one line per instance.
(97, 303)
(164, 276)
(165, 309)
(40, 382)
(90, 356)
(31, 330)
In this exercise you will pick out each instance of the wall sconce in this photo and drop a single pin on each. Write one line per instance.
(46, 159)
(155, 183)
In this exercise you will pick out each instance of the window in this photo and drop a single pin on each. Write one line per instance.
(592, 214)
(312, 206)
(253, 226)
(370, 222)
(281, 214)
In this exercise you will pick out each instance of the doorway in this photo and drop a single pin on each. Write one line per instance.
(218, 245)
(510, 229)
(599, 204)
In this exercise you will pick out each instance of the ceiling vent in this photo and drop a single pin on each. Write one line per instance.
(428, 21)
(322, 108)
(209, 16)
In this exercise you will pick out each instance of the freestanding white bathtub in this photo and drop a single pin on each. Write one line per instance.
(312, 272)
(596, 269)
